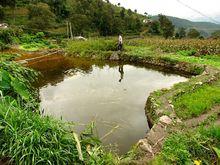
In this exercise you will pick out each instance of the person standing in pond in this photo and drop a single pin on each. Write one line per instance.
(120, 42)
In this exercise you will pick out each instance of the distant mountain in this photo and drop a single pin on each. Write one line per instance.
(205, 28)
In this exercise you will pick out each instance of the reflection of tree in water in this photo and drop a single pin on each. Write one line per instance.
(121, 71)
(55, 71)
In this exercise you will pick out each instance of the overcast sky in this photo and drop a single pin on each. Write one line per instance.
(210, 8)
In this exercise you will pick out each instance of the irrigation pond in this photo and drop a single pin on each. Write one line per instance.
(113, 95)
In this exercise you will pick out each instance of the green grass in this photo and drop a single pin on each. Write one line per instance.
(185, 147)
(211, 60)
(197, 102)
(99, 47)
(7, 56)
(32, 46)
(29, 138)
(146, 51)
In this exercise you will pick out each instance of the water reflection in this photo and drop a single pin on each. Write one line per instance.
(121, 71)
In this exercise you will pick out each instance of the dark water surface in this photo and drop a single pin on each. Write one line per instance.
(112, 95)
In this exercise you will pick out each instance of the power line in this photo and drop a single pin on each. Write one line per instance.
(199, 12)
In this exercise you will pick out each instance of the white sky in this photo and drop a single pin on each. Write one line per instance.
(211, 8)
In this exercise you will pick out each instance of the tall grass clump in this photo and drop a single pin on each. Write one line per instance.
(28, 138)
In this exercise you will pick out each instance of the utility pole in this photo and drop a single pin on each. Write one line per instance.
(71, 31)
(67, 30)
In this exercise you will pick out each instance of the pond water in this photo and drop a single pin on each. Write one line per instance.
(112, 95)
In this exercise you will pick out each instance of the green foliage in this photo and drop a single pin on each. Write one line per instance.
(7, 57)
(2, 13)
(35, 42)
(181, 33)
(91, 47)
(197, 102)
(187, 52)
(186, 147)
(29, 138)
(175, 149)
(193, 33)
(166, 26)
(40, 16)
(7, 36)
(15, 81)
(154, 28)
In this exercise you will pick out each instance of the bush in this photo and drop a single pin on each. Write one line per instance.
(6, 36)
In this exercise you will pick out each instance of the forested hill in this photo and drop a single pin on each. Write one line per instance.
(86, 16)
(205, 28)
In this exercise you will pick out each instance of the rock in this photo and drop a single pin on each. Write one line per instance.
(179, 121)
(165, 120)
(199, 83)
(80, 38)
(145, 146)
(114, 57)
(172, 106)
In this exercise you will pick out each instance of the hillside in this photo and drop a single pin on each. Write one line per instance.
(206, 28)
(85, 18)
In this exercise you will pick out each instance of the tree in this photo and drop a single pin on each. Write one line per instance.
(2, 14)
(181, 33)
(166, 26)
(154, 28)
(122, 13)
(193, 33)
(40, 16)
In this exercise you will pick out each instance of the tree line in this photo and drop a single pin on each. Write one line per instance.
(85, 16)
(95, 17)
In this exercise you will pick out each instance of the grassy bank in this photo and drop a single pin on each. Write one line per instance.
(190, 51)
